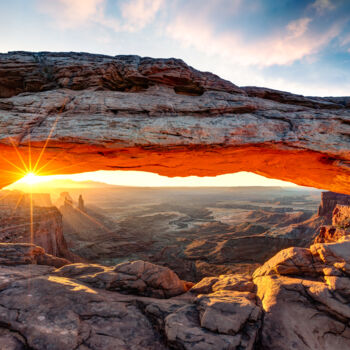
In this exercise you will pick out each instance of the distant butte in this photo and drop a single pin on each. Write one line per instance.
(160, 115)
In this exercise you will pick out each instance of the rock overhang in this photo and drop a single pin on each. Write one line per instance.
(160, 115)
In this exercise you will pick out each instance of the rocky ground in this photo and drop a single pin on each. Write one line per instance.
(299, 299)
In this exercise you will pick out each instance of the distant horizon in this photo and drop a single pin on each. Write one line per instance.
(137, 179)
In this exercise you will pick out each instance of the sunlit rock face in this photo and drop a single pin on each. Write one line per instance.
(305, 295)
(21, 222)
(160, 115)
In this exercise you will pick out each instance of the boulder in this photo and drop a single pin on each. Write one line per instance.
(304, 294)
(302, 314)
(138, 277)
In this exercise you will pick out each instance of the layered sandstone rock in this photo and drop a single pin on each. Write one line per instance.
(329, 200)
(305, 297)
(21, 222)
(340, 227)
(299, 299)
(160, 115)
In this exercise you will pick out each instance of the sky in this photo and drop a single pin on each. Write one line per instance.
(32, 183)
(301, 46)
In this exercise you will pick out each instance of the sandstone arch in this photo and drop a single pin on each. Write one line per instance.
(160, 115)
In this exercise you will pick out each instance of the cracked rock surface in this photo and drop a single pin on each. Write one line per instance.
(305, 296)
(299, 299)
(62, 309)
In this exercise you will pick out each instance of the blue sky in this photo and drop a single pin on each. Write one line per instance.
(302, 46)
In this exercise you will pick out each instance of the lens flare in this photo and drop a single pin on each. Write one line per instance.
(30, 179)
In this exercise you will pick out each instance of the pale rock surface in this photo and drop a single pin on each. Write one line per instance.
(237, 282)
(341, 216)
(301, 314)
(305, 297)
(138, 277)
(44, 308)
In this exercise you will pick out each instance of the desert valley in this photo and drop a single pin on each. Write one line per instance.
(197, 232)
(92, 266)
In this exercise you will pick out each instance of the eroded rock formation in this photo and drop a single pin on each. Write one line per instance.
(21, 222)
(329, 200)
(26, 253)
(160, 115)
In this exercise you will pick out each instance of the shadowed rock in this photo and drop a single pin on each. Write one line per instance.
(25, 253)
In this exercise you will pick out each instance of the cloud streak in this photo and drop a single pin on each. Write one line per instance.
(198, 25)
(139, 13)
(71, 13)
(294, 43)
(322, 6)
(133, 14)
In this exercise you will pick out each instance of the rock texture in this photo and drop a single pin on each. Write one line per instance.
(25, 253)
(22, 223)
(340, 227)
(64, 309)
(159, 115)
(138, 277)
(329, 200)
(305, 297)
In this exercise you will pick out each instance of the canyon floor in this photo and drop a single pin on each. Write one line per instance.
(197, 232)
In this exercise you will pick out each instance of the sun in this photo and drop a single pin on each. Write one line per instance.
(30, 179)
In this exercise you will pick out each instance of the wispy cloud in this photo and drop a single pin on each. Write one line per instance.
(132, 14)
(298, 27)
(199, 24)
(321, 6)
(139, 13)
(71, 13)
(291, 43)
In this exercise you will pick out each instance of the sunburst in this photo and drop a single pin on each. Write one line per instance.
(32, 170)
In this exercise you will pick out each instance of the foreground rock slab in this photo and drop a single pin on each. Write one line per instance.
(79, 306)
(305, 297)
(160, 115)
(299, 299)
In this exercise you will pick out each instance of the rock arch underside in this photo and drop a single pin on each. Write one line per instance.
(74, 112)
(160, 115)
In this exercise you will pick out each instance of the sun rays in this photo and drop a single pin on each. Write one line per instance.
(34, 167)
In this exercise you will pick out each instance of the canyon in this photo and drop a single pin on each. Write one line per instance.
(47, 302)
(197, 232)
(74, 112)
